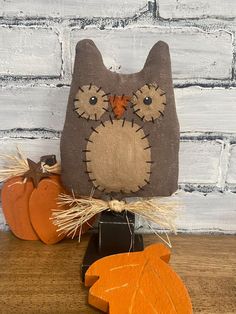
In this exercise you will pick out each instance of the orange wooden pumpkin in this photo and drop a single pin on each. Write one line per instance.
(15, 204)
(42, 200)
(28, 202)
(28, 209)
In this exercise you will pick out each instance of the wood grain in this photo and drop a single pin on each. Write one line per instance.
(144, 281)
(46, 279)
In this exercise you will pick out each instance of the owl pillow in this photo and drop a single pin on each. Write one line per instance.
(121, 132)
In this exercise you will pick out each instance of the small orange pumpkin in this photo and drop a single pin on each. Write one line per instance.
(28, 202)
(15, 204)
(41, 202)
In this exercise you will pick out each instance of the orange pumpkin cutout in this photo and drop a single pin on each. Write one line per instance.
(137, 283)
(15, 204)
(42, 200)
(28, 202)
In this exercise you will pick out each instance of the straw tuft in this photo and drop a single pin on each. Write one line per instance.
(17, 165)
(79, 210)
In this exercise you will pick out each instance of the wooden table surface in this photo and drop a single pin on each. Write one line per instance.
(36, 278)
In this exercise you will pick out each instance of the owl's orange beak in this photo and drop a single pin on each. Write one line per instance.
(119, 104)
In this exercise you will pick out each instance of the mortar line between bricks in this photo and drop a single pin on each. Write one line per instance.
(223, 164)
(154, 7)
(234, 56)
(151, 7)
(57, 81)
(100, 22)
(227, 83)
(120, 23)
(209, 231)
(202, 17)
(61, 54)
(199, 187)
(187, 136)
(226, 164)
(66, 53)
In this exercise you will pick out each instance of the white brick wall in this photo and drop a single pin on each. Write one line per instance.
(206, 109)
(199, 162)
(29, 52)
(33, 107)
(195, 54)
(37, 41)
(197, 8)
(231, 178)
(71, 8)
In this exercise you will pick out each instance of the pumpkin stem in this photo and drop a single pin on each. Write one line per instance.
(49, 160)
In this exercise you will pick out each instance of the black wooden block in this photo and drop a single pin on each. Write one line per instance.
(116, 232)
(115, 235)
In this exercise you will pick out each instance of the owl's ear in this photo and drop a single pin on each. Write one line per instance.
(158, 61)
(88, 57)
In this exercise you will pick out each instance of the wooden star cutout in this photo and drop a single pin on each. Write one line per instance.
(35, 172)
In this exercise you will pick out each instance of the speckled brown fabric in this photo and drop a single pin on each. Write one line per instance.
(150, 116)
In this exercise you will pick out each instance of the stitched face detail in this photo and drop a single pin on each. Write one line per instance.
(90, 102)
(130, 168)
(118, 157)
(149, 102)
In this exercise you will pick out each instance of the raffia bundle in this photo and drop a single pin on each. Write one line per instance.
(14, 165)
(17, 165)
(79, 210)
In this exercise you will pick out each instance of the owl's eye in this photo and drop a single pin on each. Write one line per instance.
(149, 102)
(93, 100)
(90, 102)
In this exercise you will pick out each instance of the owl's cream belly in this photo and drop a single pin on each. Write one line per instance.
(118, 157)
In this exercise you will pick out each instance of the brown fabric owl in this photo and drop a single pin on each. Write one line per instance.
(121, 133)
